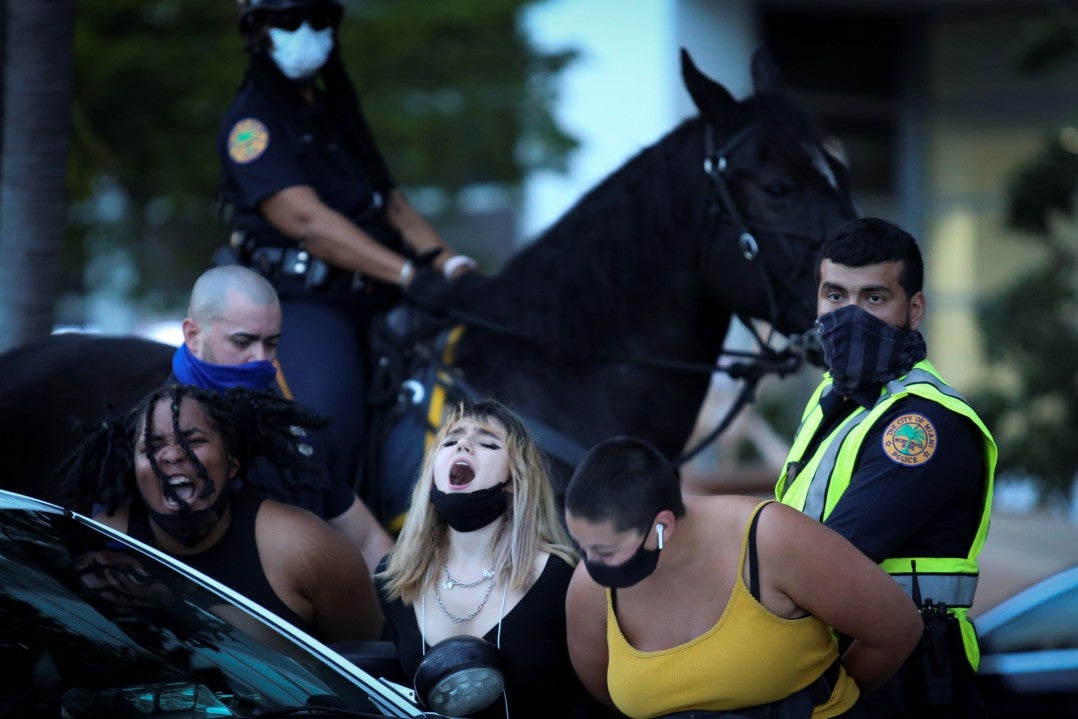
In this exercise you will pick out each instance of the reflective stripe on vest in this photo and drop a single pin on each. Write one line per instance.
(943, 580)
(816, 499)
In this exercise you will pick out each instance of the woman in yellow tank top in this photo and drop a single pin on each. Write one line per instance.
(717, 604)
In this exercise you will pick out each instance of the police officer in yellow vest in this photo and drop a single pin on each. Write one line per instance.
(895, 460)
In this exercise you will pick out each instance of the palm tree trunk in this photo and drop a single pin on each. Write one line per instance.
(33, 174)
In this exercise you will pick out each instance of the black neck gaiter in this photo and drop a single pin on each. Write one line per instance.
(863, 352)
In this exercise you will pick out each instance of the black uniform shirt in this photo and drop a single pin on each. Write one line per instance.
(271, 139)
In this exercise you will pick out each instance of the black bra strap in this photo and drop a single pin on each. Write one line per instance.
(754, 565)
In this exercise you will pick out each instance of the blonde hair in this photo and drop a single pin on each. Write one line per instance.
(531, 524)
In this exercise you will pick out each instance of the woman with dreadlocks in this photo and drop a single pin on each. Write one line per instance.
(163, 473)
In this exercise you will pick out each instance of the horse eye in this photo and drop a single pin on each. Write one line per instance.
(776, 190)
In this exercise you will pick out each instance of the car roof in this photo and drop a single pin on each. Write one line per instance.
(1029, 597)
(13, 500)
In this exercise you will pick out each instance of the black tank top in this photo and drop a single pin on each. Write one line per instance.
(234, 560)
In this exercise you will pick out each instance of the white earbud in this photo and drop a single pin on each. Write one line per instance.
(659, 529)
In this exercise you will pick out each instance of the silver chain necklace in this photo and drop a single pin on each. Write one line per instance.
(450, 583)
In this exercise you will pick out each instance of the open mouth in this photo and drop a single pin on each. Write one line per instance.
(182, 493)
(461, 474)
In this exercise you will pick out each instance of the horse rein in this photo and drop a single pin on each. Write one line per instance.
(568, 450)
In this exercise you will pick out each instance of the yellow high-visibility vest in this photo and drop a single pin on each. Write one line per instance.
(818, 486)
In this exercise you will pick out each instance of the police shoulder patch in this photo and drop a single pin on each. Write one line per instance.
(909, 440)
(247, 141)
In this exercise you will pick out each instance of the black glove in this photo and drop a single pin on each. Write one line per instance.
(427, 258)
(430, 289)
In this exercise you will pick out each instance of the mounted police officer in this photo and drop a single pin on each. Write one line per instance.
(895, 460)
(313, 207)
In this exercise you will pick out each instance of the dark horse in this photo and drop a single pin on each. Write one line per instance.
(608, 324)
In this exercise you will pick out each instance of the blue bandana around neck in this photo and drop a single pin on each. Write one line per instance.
(189, 369)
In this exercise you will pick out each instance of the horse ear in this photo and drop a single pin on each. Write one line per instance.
(711, 99)
(766, 76)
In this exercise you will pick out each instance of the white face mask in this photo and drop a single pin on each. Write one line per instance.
(300, 53)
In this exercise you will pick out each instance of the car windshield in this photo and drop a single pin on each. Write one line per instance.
(92, 626)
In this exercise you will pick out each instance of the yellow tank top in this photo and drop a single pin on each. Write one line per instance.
(749, 657)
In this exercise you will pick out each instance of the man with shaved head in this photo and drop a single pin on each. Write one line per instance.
(233, 317)
(230, 338)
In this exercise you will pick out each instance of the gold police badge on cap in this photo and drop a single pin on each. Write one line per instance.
(910, 440)
(247, 141)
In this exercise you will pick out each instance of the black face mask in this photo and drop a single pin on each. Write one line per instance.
(862, 351)
(469, 511)
(191, 526)
(632, 571)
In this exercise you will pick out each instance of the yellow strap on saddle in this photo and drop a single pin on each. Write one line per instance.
(438, 394)
(282, 384)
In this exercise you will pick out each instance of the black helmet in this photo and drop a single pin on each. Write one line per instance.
(250, 10)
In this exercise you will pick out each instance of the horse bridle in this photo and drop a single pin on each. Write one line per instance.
(764, 360)
(722, 202)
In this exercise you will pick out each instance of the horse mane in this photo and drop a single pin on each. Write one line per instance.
(613, 242)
